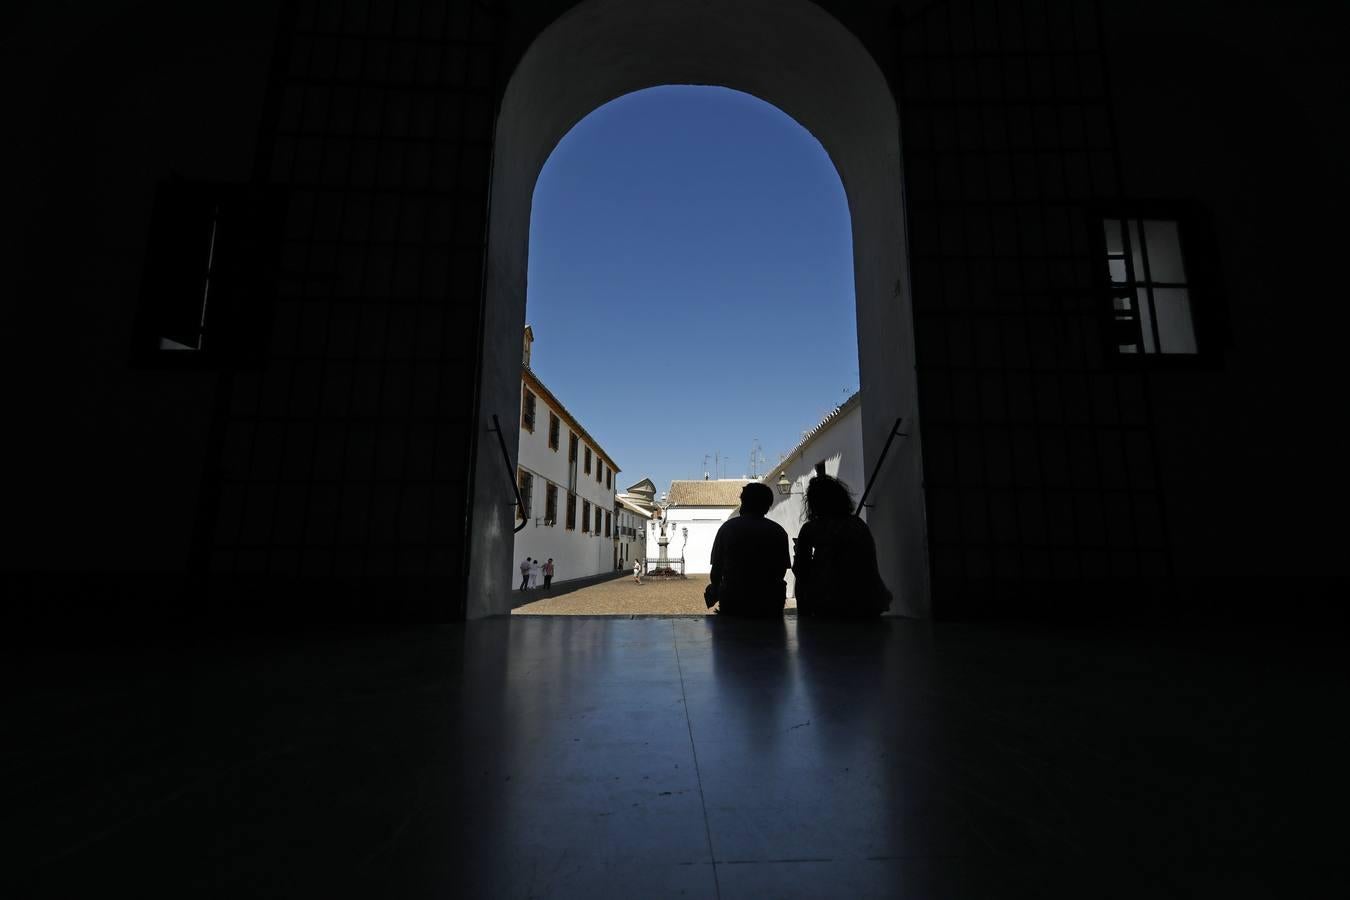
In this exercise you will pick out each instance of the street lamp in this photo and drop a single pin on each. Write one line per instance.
(784, 486)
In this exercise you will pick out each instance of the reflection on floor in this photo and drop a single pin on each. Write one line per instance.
(577, 757)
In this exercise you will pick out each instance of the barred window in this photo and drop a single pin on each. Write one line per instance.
(607, 523)
(586, 465)
(526, 482)
(571, 511)
(1150, 290)
(550, 504)
(586, 515)
(208, 288)
(527, 411)
(554, 426)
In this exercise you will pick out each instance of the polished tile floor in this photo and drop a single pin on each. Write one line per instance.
(580, 757)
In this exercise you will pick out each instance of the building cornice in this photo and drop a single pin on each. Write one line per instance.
(807, 439)
(633, 507)
(542, 391)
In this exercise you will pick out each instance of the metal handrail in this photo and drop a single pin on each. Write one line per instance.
(510, 471)
(895, 432)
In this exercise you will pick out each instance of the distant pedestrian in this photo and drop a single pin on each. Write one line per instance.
(525, 573)
(548, 573)
(534, 573)
(637, 571)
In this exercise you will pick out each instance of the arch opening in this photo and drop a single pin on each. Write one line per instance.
(793, 56)
(690, 306)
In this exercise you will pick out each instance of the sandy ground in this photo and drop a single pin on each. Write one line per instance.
(621, 597)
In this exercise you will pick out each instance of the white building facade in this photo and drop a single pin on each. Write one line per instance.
(637, 506)
(833, 447)
(566, 483)
(694, 512)
(630, 532)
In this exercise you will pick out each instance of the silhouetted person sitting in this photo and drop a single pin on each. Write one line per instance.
(749, 559)
(836, 558)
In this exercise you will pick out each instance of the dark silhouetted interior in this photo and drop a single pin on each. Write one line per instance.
(244, 312)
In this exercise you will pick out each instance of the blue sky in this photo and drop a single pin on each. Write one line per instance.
(691, 281)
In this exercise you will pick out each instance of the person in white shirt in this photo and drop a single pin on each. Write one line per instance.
(534, 573)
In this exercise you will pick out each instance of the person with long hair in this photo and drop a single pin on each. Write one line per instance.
(836, 558)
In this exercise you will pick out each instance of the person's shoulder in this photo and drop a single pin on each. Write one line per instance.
(859, 525)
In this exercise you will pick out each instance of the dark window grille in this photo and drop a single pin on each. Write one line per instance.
(550, 504)
(1039, 450)
(526, 481)
(586, 515)
(586, 466)
(527, 408)
(571, 511)
(359, 346)
(608, 521)
(554, 426)
(571, 462)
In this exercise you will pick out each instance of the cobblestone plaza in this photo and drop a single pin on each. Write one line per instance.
(620, 596)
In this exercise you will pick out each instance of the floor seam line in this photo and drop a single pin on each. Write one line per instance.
(698, 773)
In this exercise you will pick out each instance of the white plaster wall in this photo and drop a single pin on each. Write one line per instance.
(702, 522)
(636, 548)
(840, 447)
(790, 53)
(576, 554)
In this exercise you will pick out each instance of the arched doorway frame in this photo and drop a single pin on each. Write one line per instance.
(789, 53)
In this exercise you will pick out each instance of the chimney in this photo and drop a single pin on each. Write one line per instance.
(529, 339)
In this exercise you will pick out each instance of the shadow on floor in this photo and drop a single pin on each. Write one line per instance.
(584, 757)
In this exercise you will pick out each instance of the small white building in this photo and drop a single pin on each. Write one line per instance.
(833, 447)
(636, 507)
(566, 483)
(694, 512)
(630, 531)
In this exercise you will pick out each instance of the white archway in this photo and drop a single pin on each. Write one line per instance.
(789, 53)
